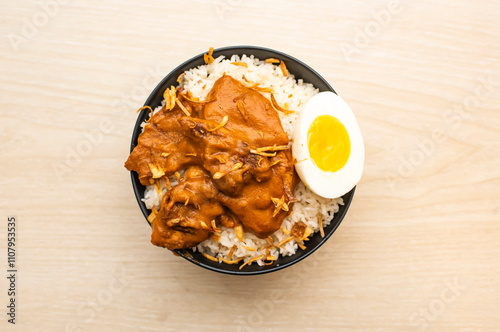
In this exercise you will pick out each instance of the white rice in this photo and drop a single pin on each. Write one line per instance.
(199, 81)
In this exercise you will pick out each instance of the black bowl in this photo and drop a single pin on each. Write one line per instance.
(301, 71)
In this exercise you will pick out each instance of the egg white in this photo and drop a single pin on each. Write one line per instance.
(328, 184)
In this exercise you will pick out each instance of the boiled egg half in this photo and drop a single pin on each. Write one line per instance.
(328, 146)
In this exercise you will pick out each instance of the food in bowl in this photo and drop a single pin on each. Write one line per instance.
(217, 163)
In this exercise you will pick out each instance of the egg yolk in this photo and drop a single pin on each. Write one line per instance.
(328, 142)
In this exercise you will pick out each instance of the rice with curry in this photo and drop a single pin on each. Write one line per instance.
(302, 214)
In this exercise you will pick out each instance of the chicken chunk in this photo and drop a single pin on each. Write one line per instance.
(163, 144)
(187, 211)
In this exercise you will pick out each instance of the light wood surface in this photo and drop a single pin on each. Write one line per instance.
(419, 249)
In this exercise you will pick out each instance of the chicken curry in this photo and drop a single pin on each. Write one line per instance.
(239, 168)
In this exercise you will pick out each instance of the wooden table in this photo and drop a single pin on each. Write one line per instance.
(419, 249)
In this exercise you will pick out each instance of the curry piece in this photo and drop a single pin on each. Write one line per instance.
(226, 157)
(187, 211)
(226, 152)
(163, 144)
(254, 205)
(247, 191)
(259, 126)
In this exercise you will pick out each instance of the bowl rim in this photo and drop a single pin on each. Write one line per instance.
(239, 49)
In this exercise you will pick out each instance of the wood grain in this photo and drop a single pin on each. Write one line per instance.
(419, 249)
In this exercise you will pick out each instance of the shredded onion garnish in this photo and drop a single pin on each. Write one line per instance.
(178, 176)
(279, 204)
(238, 231)
(236, 166)
(283, 68)
(249, 248)
(270, 262)
(275, 163)
(235, 261)
(169, 96)
(165, 154)
(240, 63)
(286, 231)
(180, 78)
(272, 60)
(172, 96)
(221, 159)
(187, 201)
(221, 124)
(252, 85)
(269, 258)
(267, 90)
(183, 108)
(296, 162)
(205, 226)
(251, 260)
(320, 222)
(307, 232)
(273, 148)
(214, 226)
(277, 107)
(152, 215)
(146, 107)
(167, 182)
(212, 258)
(208, 57)
(256, 86)
(263, 154)
(275, 200)
(190, 154)
(218, 175)
(166, 96)
(270, 240)
(231, 251)
(157, 187)
(240, 107)
(197, 101)
(157, 172)
(288, 239)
